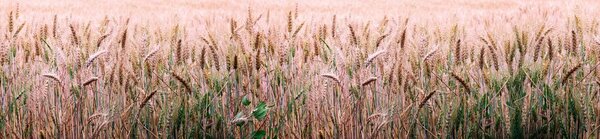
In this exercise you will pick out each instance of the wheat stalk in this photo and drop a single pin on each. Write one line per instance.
(17, 11)
(53, 77)
(19, 29)
(10, 22)
(461, 81)
(430, 54)
(333, 26)
(235, 62)
(124, 39)
(353, 35)
(90, 81)
(494, 56)
(257, 41)
(333, 77)
(202, 58)
(402, 40)
(426, 99)
(574, 42)
(369, 81)
(290, 23)
(146, 99)
(482, 58)
(564, 79)
(373, 56)
(537, 49)
(149, 55)
(74, 35)
(182, 81)
(379, 40)
(298, 30)
(55, 26)
(100, 40)
(178, 58)
(215, 57)
(457, 54)
(550, 50)
(257, 60)
(89, 61)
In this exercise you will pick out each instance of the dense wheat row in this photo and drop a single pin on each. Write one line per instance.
(529, 74)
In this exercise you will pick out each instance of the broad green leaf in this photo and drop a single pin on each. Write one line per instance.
(259, 134)
(245, 101)
(260, 112)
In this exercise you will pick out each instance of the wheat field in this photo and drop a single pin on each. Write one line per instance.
(299, 69)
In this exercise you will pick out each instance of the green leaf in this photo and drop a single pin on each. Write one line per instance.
(245, 101)
(259, 134)
(260, 112)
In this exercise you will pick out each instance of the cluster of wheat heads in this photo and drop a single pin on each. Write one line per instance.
(262, 76)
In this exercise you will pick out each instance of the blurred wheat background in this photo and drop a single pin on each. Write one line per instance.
(299, 69)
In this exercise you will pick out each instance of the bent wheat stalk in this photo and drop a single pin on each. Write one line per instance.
(151, 54)
(182, 81)
(564, 80)
(92, 57)
(333, 77)
(369, 81)
(461, 81)
(90, 81)
(373, 56)
(53, 77)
